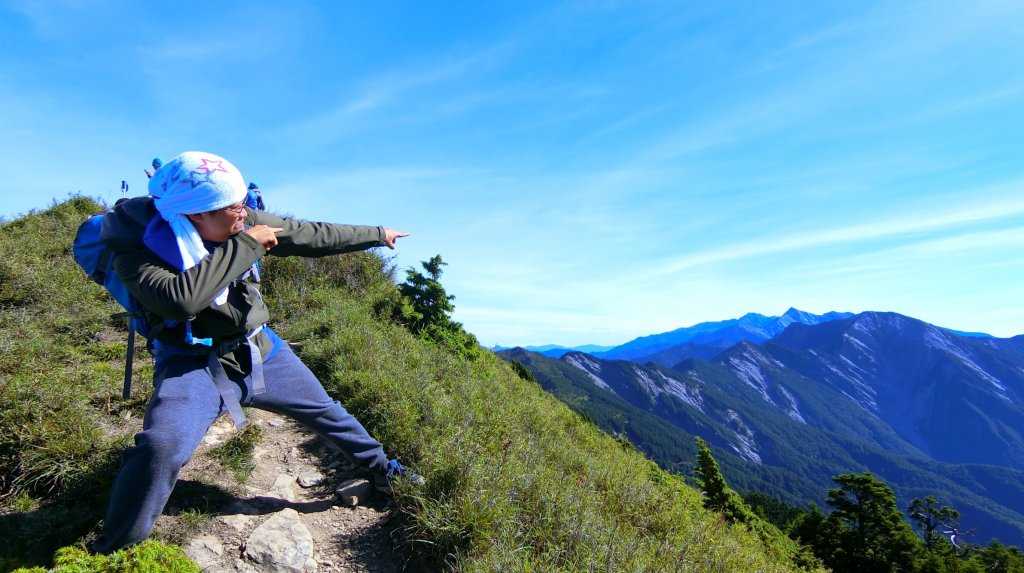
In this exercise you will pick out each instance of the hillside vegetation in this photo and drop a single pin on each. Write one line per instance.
(515, 480)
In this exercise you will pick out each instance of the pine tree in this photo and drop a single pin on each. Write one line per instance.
(522, 371)
(718, 496)
(430, 304)
(929, 518)
(426, 310)
(716, 491)
(773, 510)
(808, 528)
(869, 532)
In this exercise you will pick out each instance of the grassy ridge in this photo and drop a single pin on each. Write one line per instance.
(516, 481)
(61, 361)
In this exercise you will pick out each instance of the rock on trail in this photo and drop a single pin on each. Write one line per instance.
(287, 516)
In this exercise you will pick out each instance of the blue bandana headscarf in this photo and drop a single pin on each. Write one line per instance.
(195, 182)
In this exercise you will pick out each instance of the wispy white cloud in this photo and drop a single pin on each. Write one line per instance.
(976, 242)
(867, 58)
(903, 225)
(61, 19)
(508, 326)
(812, 40)
(364, 96)
(1009, 94)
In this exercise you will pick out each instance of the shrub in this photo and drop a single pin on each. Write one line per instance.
(148, 556)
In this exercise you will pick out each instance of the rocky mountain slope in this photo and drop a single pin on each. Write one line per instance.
(929, 411)
(956, 399)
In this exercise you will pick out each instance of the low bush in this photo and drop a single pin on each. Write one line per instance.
(148, 556)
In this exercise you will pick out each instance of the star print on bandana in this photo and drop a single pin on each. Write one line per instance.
(208, 162)
(204, 173)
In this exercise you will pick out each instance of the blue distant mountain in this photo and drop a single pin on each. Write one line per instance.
(970, 334)
(703, 340)
(700, 340)
(708, 338)
(556, 351)
(928, 410)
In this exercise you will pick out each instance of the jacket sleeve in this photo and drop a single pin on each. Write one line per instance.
(309, 239)
(181, 295)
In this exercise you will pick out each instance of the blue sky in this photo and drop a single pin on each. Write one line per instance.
(591, 171)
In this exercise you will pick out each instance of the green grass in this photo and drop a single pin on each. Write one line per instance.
(515, 480)
(60, 382)
(237, 453)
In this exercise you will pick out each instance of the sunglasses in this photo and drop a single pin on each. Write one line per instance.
(235, 209)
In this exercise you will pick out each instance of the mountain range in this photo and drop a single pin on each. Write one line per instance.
(556, 351)
(718, 335)
(788, 402)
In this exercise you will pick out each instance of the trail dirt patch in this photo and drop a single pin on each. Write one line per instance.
(286, 515)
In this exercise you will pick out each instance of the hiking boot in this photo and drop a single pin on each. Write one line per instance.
(395, 470)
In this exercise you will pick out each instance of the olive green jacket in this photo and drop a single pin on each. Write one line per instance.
(170, 293)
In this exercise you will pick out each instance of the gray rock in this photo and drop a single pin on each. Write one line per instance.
(206, 551)
(351, 491)
(310, 479)
(238, 523)
(282, 544)
(211, 440)
(283, 487)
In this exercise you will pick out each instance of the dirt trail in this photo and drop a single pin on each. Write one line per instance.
(213, 516)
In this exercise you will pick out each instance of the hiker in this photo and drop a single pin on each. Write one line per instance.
(157, 164)
(187, 254)
(254, 199)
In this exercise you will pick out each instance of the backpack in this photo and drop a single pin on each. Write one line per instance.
(92, 254)
(97, 261)
(254, 199)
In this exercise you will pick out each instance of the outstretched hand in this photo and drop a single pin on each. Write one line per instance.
(267, 236)
(390, 235)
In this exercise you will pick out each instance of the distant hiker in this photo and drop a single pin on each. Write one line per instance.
(188, 254)
(157, 164)
(254, 199)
